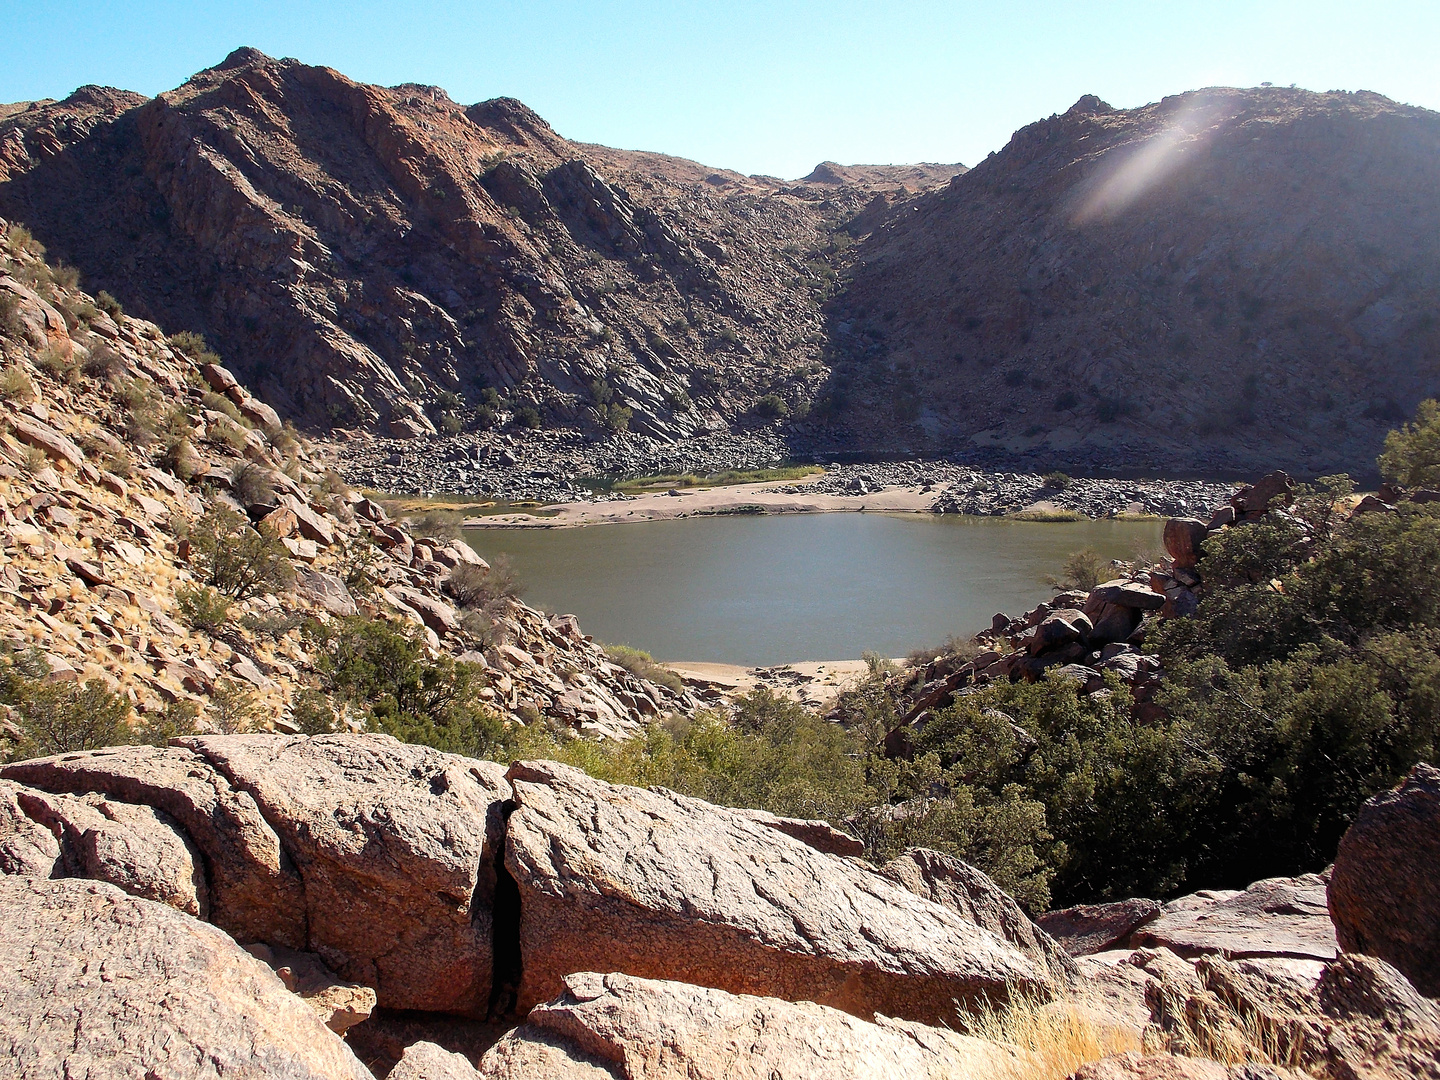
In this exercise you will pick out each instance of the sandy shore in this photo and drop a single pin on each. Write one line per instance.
(705, 502)
(814, 683)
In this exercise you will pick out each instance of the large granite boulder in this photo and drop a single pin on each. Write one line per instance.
(1275, 917)
(617, 1027)
(1384, 892)
(95, 983)
(255, 893)
(657, 885)
(971, 894)
(26, 847)
(396, 845)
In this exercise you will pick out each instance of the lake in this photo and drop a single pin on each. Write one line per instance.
(774, 589)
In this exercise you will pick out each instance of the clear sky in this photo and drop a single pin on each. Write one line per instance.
(763, 87)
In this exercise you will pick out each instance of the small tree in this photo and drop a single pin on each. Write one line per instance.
(237, 559)
(58, 717)
(1412, 453)
(1081, 570)
(233, 707)
(203, 608)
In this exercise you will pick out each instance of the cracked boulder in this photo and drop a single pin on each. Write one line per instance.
(97, 983)
(395, 844)
(661, 886)
(618, 1027)
(255, 893)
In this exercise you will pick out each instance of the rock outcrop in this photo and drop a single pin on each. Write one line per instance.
(1384, 891)
(662, 886)
(1276, 917)
(618, 1027)
(97, 983)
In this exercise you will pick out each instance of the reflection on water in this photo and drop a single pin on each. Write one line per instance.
(776, 589)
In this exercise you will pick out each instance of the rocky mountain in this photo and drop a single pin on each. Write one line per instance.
(115, 444)
(1226, 280)
(378, 257)
(1222, 280)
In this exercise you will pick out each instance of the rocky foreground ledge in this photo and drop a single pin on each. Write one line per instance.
(349, 905)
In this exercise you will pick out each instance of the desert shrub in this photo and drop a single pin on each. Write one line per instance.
(642, 665)
(57, 365)
(67, 277)
(237, 559)
(274, 625)
(1057, 481)
(527, 416)
(772, 407)
(1412, 453)
(476, 587)
(450, 424)
(313, 714)
(10, 322)
(253, 486)
(15, 385)
(229, 434)
(104, 364)
(221, 404)
(35, 460)
(962, 648)
(203, 608)
(20, 241)
(108, 304)
(484, 417)
(177, 720)
(193, 345)
(1081, 570)
(615, 416)
(233, 708)
(437, 525)
(181, 459)
(381, 672)
(59, 717)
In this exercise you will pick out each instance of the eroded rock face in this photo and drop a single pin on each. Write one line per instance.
(426, 1061)
(395, 844)
(255, 893)
(971, 894)
(27, 848)
(97, 983)
(625, 1028)
(662, 886)
(1384, 892)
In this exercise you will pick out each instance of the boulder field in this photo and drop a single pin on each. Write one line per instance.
(233, 905)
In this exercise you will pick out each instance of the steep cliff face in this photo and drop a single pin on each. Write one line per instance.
(1225, 277)
(360, 253)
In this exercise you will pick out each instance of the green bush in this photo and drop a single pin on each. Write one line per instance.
(237, 559)
(203, 608)
(59, 717)
(382, 673)
(1081, 570)
(476, 587)
(10, 323)
(15, 385)
(772, 407)
(233, 707)
(527, 417)
(1412, 454)
(1057, 481)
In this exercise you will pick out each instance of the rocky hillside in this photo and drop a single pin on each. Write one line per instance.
(117, 454)
(378, 257)
(1228, 279)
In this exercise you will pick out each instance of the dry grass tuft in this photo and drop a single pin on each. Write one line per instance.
(1054, 1038)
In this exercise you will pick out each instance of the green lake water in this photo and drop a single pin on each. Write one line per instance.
(775, 589)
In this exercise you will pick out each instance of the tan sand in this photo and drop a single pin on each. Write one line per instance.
(815, 683)
(706, 501)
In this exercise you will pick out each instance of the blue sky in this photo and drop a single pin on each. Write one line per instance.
(769, 87)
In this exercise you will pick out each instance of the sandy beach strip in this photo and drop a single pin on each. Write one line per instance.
(810, 682)
(766, 497)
